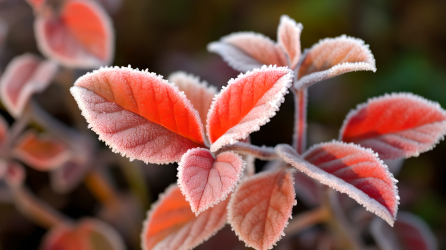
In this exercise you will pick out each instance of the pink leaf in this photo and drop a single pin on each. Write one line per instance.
(352, 170)
(138, 114)
(261, 206)
(396, 125)
(331, 57)
(88, 234)
(41, 152)
(206, 181)
(3, 132)
(170, 223)
(78, 35)
(247, 50)
(199, 93)
(288, 36)
(24, 76)
(409, 232)
(247, 103)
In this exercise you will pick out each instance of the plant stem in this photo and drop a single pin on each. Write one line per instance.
(307, 219)
(262, 153)
(35, 209)
(101, 187)
(300, 119)
(345, 235)
(17, 127)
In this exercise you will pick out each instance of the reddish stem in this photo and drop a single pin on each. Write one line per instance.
(262, 153)
(300, 119)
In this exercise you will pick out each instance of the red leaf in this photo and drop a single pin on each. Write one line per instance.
(170, 223)
(41, 152)
(24, 76)
(206, 181)
(247, 50)
(247, 103)
(331, 57)
(352, 170)
(288, 36)
(138, 114)
(261, 206)
(88, 234)
(78, 35)
(396, 125)
(409, 232)
(199, 93)
(3, 132)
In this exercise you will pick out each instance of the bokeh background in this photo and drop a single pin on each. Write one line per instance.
(407, 38)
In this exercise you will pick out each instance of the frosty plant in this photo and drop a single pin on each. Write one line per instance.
(142, 116)
(183, 120)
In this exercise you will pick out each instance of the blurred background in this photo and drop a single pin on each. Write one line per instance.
(407, 38)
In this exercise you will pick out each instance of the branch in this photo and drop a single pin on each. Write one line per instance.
(262, 153)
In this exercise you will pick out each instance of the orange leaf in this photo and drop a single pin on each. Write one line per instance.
(261, 206)
(396, 125)
(349, 169)
(41, 152)
(138, 114)
(331, 57)
(88, 234)
(247, 103)
(170, 223)
(79, 35)
(24, 76)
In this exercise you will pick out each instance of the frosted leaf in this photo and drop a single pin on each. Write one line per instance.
(138, 114)
(260, 208)
(88, 234)
(247, 103)
(399, 125)
(206, 181)
(349, 169)
(79, 35)
(24, 76)
(409, 233)
(170, 223)
(288, 36)
(331, 57)
(200, 94)
(42, 152)
(246, 51)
